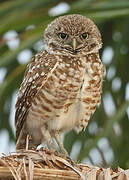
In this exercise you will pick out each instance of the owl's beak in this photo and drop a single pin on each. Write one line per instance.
(74, 44)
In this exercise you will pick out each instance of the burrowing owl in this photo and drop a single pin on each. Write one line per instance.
(62, 84)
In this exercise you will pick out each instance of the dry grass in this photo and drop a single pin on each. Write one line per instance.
(45, 165)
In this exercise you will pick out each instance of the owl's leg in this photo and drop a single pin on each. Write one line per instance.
(57, 135)
(47, 137)
(64, 154)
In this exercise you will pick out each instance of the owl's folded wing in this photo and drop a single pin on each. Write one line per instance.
(36, 75)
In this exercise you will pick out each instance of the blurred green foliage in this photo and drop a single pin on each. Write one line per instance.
(112, 18)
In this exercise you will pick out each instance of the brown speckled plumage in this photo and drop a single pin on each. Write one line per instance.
(62, 85)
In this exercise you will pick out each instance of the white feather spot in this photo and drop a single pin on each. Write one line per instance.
(38, 65)
(63, 77)
(23, 108)
(30, 71)
(71, 73)
(68, 65)
(33, 67)
(57, 84)
(75, 83)
(96, 64)
(30, 79)
(95, 78)
(36, 75)
(46, 64)
(33, 87)
(59, 59)
(78, 62)
(62, 65)
(42, 74)
(77, 76)
(90, 71)
(71, 70)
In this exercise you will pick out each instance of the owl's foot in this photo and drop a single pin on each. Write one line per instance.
(70, 160)
(64, 156)
(56, 153)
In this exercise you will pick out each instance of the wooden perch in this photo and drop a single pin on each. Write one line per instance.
(45, 165)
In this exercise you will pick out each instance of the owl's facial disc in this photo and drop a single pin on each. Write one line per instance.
(73, 34)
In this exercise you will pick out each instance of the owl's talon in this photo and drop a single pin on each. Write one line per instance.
(70, 160)
(64, 156)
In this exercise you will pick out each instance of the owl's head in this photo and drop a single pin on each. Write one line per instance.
(72, 34)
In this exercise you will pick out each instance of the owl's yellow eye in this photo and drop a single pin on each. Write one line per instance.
(85, 35)
(63, 35)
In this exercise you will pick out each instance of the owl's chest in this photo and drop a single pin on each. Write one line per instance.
(83, 95)
(59, 101)
(73, 108)
(72, 90)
